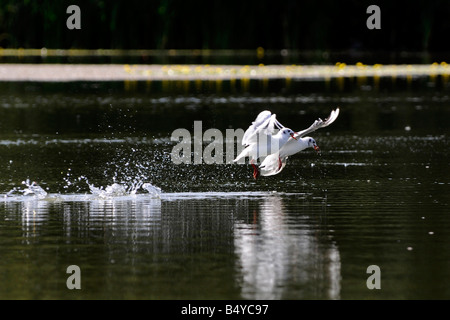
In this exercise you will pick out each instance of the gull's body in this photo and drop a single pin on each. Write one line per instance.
(275, 162)
(265, 136)
(266, 144)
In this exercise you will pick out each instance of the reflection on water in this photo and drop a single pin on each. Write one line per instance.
(269, 252)
(34, 212)
(277, 251)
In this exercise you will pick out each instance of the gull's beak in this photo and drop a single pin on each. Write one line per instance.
(316, 147)
(292, 135)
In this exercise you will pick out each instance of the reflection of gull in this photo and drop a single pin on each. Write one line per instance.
(280, 258)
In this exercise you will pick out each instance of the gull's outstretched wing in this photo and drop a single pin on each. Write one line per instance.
(319, 124)
(265, 123)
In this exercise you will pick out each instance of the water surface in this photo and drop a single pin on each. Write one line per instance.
(378, 194)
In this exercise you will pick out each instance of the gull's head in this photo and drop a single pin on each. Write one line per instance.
(286, 132)
(312, 143)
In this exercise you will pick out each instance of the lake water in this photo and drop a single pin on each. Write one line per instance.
(81, 165)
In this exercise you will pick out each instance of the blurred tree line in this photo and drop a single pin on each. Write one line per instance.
(422, 25)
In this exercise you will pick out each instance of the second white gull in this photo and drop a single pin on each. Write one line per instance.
(275, 162)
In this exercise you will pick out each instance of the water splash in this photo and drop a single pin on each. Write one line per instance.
(32, 190)
(152, 189)
(114, 190)
(127, 173)
(120, 189)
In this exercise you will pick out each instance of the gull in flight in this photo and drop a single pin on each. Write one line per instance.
(273, 162)
(262, 139)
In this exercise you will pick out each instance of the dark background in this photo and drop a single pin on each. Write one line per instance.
(417, 26)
